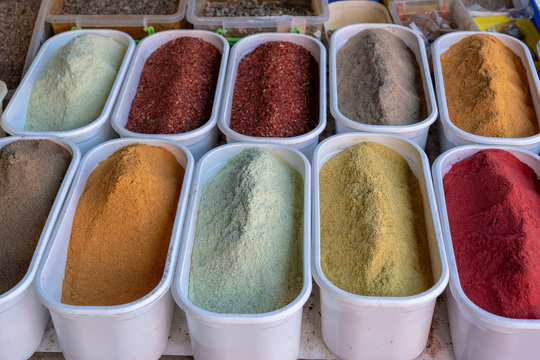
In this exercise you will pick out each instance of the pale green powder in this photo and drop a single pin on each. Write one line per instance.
(74, 85)
(247, 252)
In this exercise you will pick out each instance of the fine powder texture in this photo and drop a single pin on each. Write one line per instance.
(487, 91)
(276, 92)
(176, 89)
(379, 81)
(122, 227)
(373, 233)
(493, 203)
(31, 172)
(247, 252)
(75, 83)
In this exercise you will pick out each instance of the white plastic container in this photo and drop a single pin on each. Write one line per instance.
(476, 333)
(373, 327)
(85, 137)
(136, 330)
(198, 141)
(22, 317)
(267, 336)
(305, 143)
(343, 13)
(415, 132)
(450, 134)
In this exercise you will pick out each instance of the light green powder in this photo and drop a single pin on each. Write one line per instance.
(74, 84)
(247, 252)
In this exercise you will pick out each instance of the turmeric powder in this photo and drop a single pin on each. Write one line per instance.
(486, 87)
(122, 227)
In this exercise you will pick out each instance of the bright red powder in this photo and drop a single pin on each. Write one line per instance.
(493, 203)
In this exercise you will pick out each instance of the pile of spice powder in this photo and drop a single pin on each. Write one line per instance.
(493, 204)
(31, 172)
(379, 80)
(373, 232)
(276, 92)
(486, 87)
(256, 8)
(18, 19)
(119, 7)
(122, 227)
(74, 85)
(247, 250)
(176, 89)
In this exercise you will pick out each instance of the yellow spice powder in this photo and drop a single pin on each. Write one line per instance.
(373, 234)
(122, 227)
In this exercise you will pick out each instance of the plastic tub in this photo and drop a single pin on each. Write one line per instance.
(369, 327)
(136, 330)
(266, 336)
(85, 137)
(134, 25)
(22, 318)
(306, 143)
(198, 141)
(343, 13)
(244, 25)
(476, 333)
(416, 132)
(38, 36)
(450, 134)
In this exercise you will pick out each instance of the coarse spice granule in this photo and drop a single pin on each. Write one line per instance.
(119, 7)
(257, 8)
(31, 172)
(176, 89)
(276, 92)
(16, 26)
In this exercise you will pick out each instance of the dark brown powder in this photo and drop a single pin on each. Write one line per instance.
(276, 92)
(176, 89)
(119, 7)
(17, 18)
(379, 80)
(31, 172)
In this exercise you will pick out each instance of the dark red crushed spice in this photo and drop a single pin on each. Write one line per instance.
(176, 89)
(276, 92)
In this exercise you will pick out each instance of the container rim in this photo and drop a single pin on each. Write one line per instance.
(228, 92)
(184, 260)
(357, 4)
(459, 295)
(443, 107)
(163, 286)
(423, 67)
(255, 21)
(417, 300)
(122, 95)
(107, 107)
(117, 20)
(16, 291)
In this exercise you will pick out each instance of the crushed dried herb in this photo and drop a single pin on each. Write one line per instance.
(119, 7)
(276, 92)
(256, 8)
(176, 89)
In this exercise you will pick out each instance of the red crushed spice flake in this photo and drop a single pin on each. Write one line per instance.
(276, 92)
(176, 89)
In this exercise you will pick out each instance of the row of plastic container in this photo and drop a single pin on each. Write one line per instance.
(201, 140)
(353, 326)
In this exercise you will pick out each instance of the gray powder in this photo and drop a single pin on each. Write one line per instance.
(379, 80)
(247, 251)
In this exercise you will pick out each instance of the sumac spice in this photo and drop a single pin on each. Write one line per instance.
(276, 92)
(176, 89)
(493, 203)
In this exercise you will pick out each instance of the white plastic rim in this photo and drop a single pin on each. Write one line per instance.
(306, 142)
(51, 297)
(454, 136)
(334, 145)
(144, 49)
(441, 167)
(13, 302)
(416, 132)
(14, 118)
(209, 165)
